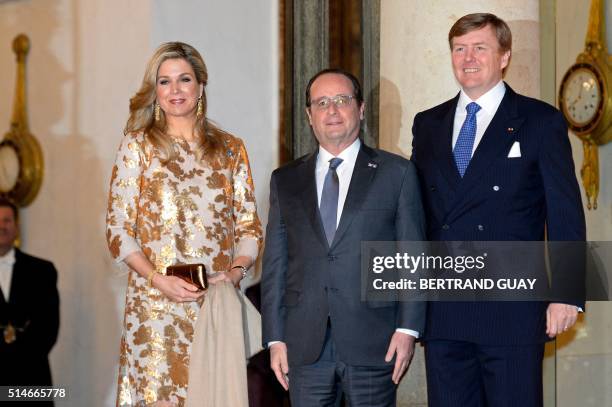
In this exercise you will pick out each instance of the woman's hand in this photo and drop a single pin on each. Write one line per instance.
(233, 276)
(176, 289)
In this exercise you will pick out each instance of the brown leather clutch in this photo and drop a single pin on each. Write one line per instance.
(192, 273)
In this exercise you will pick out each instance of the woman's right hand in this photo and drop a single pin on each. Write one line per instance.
(176, 289)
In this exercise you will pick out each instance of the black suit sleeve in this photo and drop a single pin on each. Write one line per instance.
(564, 213)
(415, 128)
(41, 334)
(410, 227)
(275, 260)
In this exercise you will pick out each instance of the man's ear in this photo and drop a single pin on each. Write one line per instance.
(362, 111)
(309, 116)
(505, 60)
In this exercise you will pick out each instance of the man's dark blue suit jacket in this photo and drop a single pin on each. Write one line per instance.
(535, 195)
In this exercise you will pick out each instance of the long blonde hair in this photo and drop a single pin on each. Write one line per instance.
(142, 106)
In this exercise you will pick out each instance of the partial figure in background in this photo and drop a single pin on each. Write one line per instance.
(29, 310)
(181, 193)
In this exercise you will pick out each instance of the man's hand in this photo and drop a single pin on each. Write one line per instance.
(560, 318)
(403, 346)
(278, 363)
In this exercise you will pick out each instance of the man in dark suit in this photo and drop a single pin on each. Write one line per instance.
(493, 166)
(29, 309)
(324, 340)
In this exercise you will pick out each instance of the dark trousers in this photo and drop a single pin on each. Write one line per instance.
(323, 382)
(463, 374)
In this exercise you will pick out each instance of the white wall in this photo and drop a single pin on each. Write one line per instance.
(86, 61)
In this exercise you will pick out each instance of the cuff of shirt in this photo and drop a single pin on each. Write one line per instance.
(408, 332)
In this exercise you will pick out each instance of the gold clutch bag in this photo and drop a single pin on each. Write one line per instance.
(192, 273)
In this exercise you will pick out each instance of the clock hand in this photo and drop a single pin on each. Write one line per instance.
(574, 102)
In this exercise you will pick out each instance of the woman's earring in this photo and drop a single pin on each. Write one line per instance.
(156, 109)
(200, 110)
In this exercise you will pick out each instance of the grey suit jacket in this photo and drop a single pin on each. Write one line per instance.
(305, 280)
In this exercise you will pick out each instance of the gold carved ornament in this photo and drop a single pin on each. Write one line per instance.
(21, 159)
(585, 99)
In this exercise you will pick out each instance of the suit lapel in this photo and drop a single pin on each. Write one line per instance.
(363, 173)
(308, 185)
(442, 141)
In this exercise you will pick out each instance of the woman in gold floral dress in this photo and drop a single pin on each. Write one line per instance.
(181, 192)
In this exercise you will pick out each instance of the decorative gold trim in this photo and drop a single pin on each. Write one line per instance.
(19, 137)
(596, 29)
(590, 173)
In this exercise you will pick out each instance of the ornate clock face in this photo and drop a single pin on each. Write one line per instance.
(9, 167)
(581, 97)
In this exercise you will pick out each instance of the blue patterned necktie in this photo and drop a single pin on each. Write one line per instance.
(465, 141)
(329, 200)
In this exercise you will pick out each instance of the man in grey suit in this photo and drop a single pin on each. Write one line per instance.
(324, 340)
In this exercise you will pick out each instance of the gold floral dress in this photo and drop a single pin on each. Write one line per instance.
(180, 212)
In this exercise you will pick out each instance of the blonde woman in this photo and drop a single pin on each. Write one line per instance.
(181, 193)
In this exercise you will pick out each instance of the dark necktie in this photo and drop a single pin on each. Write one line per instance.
(329, 200)
(465, 141)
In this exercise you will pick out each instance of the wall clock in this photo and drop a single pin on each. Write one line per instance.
(21, 159)
(585, 100)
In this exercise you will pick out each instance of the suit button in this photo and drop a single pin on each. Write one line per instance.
(445, 227)
(432, 188)
(480, 227)
(495, 188)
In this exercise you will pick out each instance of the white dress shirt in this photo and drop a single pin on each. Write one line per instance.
(6, 272)
(489, 102)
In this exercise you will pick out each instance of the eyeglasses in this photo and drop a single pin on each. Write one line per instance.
(340, 101)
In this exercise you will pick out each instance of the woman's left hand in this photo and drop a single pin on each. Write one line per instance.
(232, 276)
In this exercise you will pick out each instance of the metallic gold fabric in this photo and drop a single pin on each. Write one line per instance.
(180, 212)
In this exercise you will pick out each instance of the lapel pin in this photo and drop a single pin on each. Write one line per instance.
(510, 129)
(372, 165)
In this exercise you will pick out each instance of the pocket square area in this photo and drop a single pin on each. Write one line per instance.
(515, 151)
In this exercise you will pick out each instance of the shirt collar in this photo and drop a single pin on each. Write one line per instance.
(489, 102)
(8, 258)
(348, 155)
